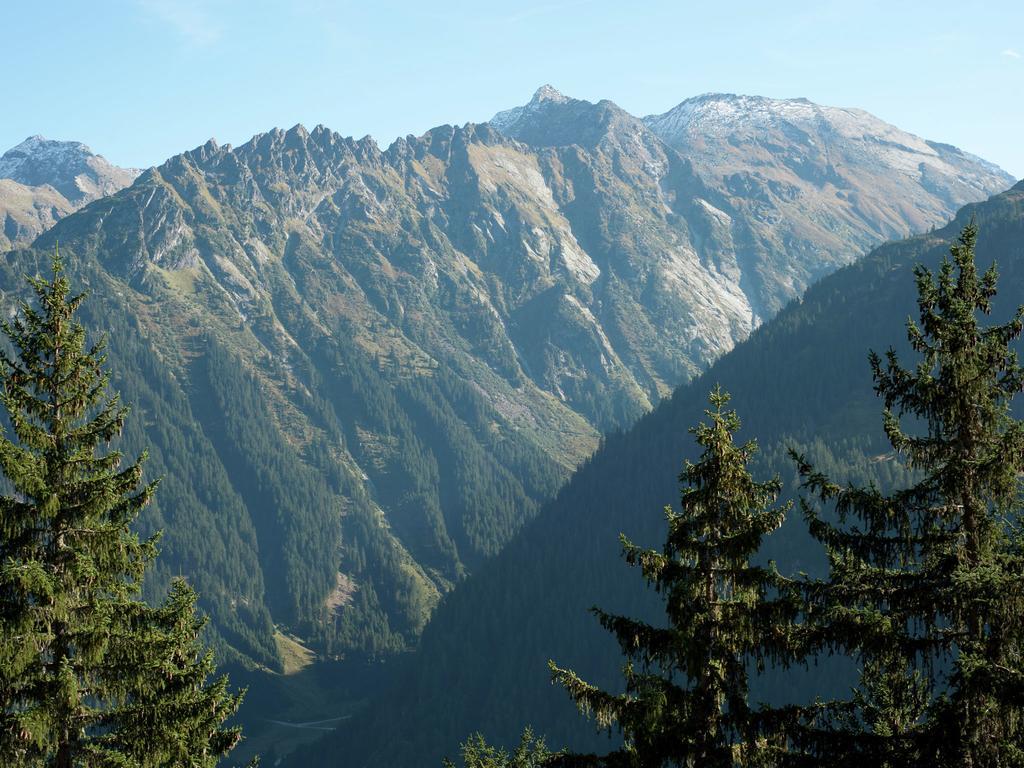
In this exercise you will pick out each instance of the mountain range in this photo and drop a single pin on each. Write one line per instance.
(362, 371)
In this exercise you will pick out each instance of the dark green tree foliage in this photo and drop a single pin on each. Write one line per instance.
(293, 512)
(172, 715)
(209, 536)
(926, 583)
(687, 703)
(87, 669)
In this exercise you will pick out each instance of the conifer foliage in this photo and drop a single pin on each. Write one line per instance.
(686, 702)
(531, 752)
(90, 675)
(926, 583)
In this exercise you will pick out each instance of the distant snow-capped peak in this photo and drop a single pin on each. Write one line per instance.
(722, 112)
(70, 167)
(37, 149)
(856, 136)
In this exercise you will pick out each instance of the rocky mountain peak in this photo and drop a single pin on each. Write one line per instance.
(549, 93)
(714, 120)
(37, 146)
(553, 119)
(28, 147)
(721, 112)
(511, 121)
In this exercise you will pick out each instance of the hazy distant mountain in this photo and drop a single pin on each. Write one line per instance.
(70, 167)
(809, 177)
(42, 181)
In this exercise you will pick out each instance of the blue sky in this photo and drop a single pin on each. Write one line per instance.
(140, 80)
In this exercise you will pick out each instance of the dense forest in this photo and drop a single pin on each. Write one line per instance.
(90, 673)
(802, 382)
(254, 519)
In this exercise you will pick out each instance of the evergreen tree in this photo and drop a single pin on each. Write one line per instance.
(171, 715)
(926, 583)
(687, 703)
(89, 674)
(531, 752)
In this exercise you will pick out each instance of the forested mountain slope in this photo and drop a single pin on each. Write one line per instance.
(800, 380)
(361, 371)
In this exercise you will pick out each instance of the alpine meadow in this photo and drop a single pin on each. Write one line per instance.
(673, 420)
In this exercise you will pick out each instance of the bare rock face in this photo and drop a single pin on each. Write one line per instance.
(42, 181)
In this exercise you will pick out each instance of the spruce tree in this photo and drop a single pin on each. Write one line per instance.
(926, 583)
(686, 699)
(531, 752)
(89, 674)
(171, 714)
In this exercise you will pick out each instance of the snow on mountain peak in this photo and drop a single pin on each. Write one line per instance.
(69, 167)
(713, 117)
(717, 113)
(41, 150)
(546, 94)
(549, 93)
(810, 154)
(29, 144)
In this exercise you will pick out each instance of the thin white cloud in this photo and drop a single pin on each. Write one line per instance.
(187, 18)
(1010, 54)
